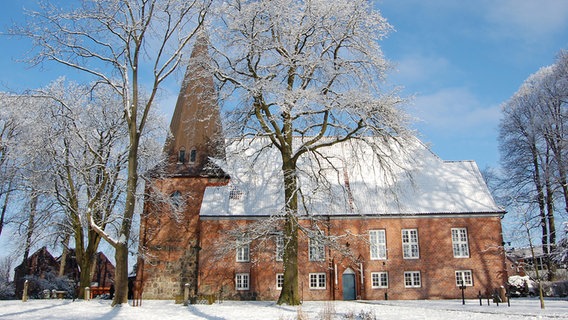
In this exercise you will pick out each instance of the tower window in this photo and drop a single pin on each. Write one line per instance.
(181, 156)
(193, 155)
(176, 199)
(235, 194)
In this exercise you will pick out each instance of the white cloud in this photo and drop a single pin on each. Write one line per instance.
(455, 111)
(527, 19)
(417, 68)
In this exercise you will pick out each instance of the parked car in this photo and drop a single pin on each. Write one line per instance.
(522, 286)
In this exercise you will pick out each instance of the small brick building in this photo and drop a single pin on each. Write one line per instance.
(416, 227)
(43, 265)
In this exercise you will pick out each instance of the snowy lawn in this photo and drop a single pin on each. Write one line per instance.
(383, 310)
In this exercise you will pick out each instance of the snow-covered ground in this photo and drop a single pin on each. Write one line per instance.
(383, 310)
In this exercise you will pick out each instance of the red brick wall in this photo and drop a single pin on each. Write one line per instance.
(168, 239)
(104, 270)
(437, 265)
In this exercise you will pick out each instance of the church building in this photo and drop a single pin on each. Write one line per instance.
(409, 227)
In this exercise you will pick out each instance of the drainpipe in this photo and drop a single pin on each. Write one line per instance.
(335, 283)
(362, 278)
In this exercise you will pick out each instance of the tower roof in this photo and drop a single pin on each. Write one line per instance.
(196, 131)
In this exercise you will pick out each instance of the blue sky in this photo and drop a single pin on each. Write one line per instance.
(462, 59)
(459, 60)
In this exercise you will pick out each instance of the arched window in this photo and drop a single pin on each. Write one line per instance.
(176, 199)
(181, 155)
(193, 155)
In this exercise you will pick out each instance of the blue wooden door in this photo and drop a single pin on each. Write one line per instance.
(349, 286)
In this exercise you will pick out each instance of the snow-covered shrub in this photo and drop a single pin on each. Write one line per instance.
(362, 315)
(328, 311)
(37, 286)
(7, 290)
(555, 289)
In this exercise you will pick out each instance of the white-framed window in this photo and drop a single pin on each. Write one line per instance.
(316, 250)
(279, 281)
(460, 243)
(317, 280)
(242, 281)
(279, 247)
(412, 279)
(243, 253)
(235, 193)
(378, 244)
(410, 244)
(464, 277)
(379, 280)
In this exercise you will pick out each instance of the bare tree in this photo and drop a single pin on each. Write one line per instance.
(522, 153)
(129, 45)
(12, 126)
(6, 265)
(87, 149)
(309, 75)
(527, 227)
(33, 211)
(552, 97)
(533, 141)
(6, 286)
(560, 253)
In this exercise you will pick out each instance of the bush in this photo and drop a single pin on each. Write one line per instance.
(37, 286)
(555, 289)
(367, 315)
(362, 315)
(328, 311)
(7, 290)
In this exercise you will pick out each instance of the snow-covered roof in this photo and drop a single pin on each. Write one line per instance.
(350, 179)
(524, 253)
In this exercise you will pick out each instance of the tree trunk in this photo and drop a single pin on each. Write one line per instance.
(86, 258)
(28, 243)
(541, 203)
(121, 246)
(290, 293)
(85, 275)
(5, 206)
(134, 131)
(63, 261)
(539, 281)
(121, 274)
(30, 228)
(564, 186)
(551, 230)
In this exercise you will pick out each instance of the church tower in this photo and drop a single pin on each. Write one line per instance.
(169, 228)
(196, 126)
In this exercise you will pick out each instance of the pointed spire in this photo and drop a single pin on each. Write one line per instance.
(196, 132)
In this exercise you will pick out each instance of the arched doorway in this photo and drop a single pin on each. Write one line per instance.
(348, 280)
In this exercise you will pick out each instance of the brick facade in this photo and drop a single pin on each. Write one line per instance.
(169, 238)
(436, 263)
